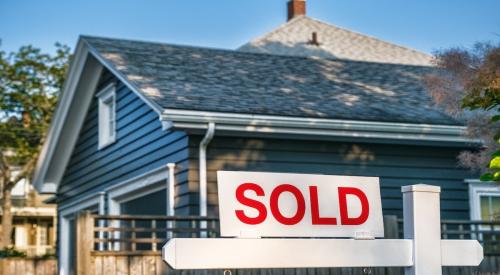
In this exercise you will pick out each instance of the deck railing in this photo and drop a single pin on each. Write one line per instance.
(36, 250)
(128, 233)
(130, 244)
(148, 233)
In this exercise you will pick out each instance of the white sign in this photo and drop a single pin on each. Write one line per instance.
(256, 204)
(196, 253)
(290, 253)
(422, 252)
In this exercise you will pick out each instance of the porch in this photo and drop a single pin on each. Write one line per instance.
(128, 244)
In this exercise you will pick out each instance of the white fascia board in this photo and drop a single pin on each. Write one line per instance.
(245, 123)
(48, 149)
(47, 188)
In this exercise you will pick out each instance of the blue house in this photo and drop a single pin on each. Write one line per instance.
(142, 127)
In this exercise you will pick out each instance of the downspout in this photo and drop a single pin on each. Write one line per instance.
(203, 174)
(171, 197)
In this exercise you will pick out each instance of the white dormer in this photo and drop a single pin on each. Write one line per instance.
(107, 116)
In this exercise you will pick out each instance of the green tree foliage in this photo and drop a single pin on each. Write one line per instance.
(469, 87)
(30, 81)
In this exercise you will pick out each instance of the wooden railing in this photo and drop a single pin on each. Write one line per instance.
(132, 244)
(36, 250)
(486, 232)
(148, 233)
(127, 233)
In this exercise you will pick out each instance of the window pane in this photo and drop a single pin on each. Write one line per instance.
(495, 207)
(111, 118)
(107, 118)
(42, 234)
(485, 207)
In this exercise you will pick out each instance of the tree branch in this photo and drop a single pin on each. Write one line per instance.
(23, 174)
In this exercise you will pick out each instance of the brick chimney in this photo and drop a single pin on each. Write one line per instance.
(296, 8)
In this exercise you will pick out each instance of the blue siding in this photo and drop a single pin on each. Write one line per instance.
(141, 145)
(396, 165)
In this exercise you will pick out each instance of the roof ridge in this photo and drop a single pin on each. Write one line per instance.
(242, 53)
(281, 26)
(369, 36)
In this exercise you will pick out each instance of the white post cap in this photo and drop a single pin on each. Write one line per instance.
(421, 188)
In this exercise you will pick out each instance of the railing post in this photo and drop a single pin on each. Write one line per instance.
(102, 202)
(132, 235)
(153, 235)
(422, 224)
(84, 242)
(391, 231)
(391, 228)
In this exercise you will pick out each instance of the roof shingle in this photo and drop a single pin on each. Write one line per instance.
(202, 79)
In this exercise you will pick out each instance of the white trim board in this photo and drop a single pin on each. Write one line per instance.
(147, 183)
(82, 79)
(311, 127)
(106, 114)
(66, 214)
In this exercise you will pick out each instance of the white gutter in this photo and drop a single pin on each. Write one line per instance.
(203, 172)
(315, 127)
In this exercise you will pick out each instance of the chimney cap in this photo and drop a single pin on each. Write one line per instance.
(296, 8)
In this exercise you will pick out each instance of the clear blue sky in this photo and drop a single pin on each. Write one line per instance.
(425, 25)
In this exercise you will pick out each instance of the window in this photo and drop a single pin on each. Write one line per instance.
(484, 200)
(107, 116)
(490, 207)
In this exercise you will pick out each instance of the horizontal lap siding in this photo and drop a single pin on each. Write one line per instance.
(141, 146)
(396, 165)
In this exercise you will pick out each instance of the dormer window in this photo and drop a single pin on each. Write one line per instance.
(107, 116)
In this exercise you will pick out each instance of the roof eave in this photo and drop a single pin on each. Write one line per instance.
(317, 128)
(48, 148)
(83, 75)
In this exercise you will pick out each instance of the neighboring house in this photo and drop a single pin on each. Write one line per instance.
(129, 108)
(33, 221)
(305, 36)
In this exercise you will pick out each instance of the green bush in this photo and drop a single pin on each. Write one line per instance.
(11, 252)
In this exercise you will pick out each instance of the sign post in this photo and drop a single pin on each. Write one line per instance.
(422, 224)
(354, 213)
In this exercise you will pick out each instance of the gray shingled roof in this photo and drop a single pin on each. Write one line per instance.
(293, 38)
(182, 77)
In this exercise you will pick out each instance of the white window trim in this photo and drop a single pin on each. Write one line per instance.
(106, 94)
(134, 188)
(66, 212)
(476, 189)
